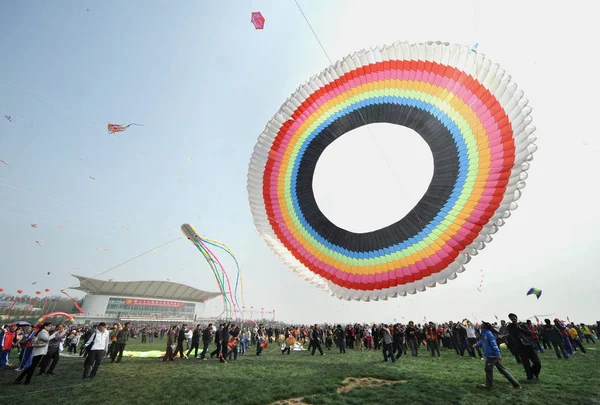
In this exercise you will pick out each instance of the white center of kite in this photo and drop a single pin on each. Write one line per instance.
(372, 176)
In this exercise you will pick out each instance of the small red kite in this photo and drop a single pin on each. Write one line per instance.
(258, 20)
(114, 128)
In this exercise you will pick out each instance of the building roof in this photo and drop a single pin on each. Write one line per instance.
(147, 289)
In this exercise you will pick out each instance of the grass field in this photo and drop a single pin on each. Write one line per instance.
(273, 377)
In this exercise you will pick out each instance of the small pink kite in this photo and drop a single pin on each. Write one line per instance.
(114, 128)
(258, 20)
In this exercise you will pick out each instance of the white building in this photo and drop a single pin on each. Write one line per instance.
(160, 301)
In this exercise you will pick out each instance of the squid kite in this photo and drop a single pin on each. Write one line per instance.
(230, 301)
(114, 128)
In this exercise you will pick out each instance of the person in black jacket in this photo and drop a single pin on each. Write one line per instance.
(218, 335)
(553, 336)
(340, 338)
(206, 336)
(122, 337)
(398, 340)
(180, 340)
(85, 338)
(195, 342)
(524, 347)
(315, 340)
(224, 343)
(412, 339)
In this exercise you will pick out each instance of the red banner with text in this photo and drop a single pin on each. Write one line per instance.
(154, 303)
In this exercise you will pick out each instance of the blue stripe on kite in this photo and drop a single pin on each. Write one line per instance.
(460, 183)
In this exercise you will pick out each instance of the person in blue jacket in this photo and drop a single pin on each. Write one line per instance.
(491, 352)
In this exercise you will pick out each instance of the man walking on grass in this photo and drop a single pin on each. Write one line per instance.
(206, 336)
(491, 351)
(122, 337)
(521, 339)
(97, 347)
(315, 340)
(53, 355)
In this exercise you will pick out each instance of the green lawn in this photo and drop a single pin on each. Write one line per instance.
(272, 377)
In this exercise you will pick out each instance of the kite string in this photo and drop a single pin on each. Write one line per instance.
(80, 119)
(78, 205)
(136, 257)
(359, 113)
(313, 31)
(48, 103)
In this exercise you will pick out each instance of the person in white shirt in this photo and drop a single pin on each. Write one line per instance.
(97, 348)
(472, 339)
(40, 348)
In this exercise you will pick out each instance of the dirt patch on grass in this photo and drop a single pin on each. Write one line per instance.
(291, 401)
(350, 383)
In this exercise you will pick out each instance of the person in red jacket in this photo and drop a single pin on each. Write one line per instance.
(6, 343)
(535, 338)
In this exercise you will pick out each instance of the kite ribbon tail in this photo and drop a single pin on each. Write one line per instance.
(239, 277)
(222, 269)
(11, 307)
(215, 273)
(74, 302)
(214, 265)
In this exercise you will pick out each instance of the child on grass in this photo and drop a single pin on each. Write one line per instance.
(491, 351)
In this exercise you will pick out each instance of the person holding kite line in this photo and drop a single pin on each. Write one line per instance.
(493, 358)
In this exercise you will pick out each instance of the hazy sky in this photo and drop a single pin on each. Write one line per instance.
(204, 83)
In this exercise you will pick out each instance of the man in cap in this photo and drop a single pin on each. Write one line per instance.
(524, 347)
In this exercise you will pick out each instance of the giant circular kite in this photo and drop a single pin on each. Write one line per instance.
(477, 125)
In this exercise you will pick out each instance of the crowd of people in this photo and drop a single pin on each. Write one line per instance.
(38, 347)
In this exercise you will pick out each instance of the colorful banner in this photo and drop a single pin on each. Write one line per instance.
(154, 303)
